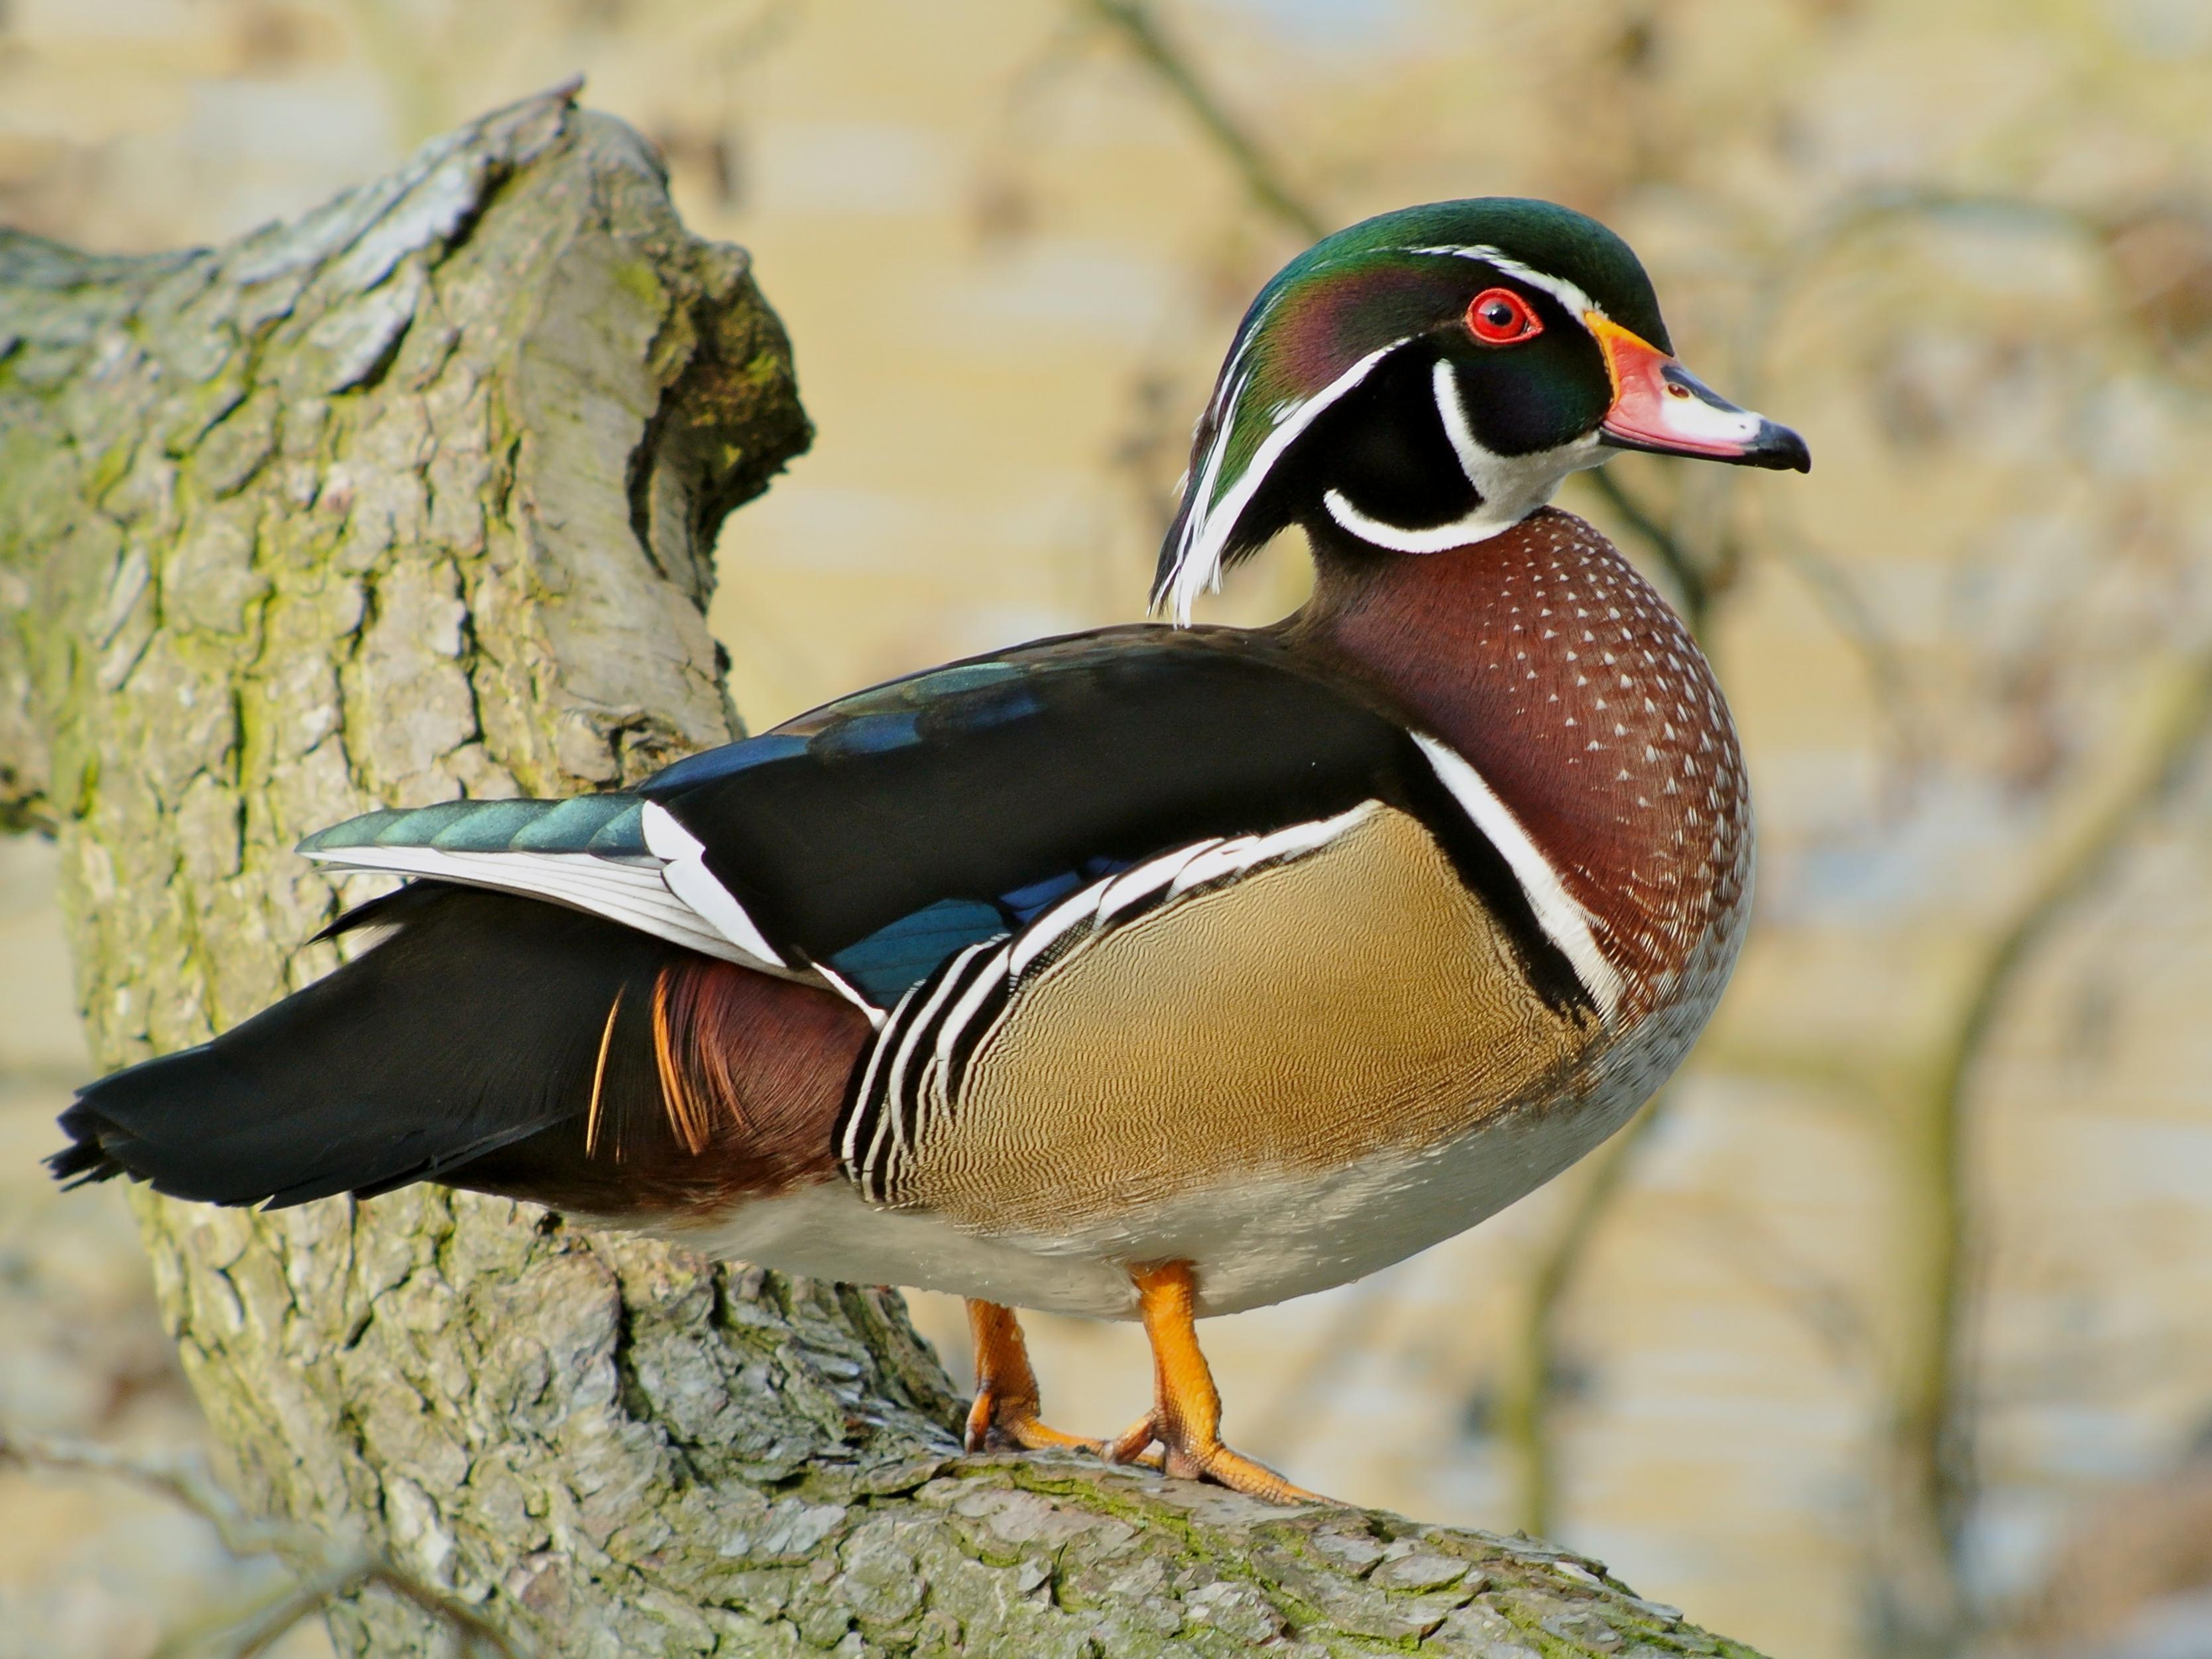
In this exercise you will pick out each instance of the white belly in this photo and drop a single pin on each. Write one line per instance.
(1252, 1244)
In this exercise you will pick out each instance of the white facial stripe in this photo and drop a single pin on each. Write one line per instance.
(1564, 921)
(1205, 533)
(1234, 378)
(1232, 372)
(1566, 293)
(1205, 536)
(689, 879)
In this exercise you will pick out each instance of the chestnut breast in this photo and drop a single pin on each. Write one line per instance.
(1570, 684)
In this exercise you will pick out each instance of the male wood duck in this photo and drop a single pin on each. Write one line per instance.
(1153, 972)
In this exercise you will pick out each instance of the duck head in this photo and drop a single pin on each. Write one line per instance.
(1425, 379)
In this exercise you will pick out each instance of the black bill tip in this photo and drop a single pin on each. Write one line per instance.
(1777, 446)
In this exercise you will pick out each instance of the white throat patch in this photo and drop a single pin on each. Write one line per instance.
(1511, 487)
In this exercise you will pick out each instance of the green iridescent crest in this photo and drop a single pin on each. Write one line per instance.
(1322, 324)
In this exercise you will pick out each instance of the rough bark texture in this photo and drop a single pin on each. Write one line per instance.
(417, 498)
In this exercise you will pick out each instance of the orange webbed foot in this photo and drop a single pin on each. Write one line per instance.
(1185, 1422)
(1003, 1414)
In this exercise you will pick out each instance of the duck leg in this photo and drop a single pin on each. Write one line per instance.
(1005, 1412)
(1186, 1415)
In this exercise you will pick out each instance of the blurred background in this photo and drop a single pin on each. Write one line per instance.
(1889, 1330)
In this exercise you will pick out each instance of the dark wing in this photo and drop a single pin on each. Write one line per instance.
(883, 832)
(876, 837)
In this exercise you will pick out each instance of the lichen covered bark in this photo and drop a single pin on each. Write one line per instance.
(413, 499)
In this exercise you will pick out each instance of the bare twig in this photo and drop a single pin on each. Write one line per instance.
(1929, 1428)
(334, 1569)
(1690, 576)
(1133, 21)
(1861, 627)
(260, 1627)
(1741, 1236)
(1524, 1403)
(1854, 215)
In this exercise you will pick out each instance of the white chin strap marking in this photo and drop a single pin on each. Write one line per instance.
(1508, 488)
(1479, 526)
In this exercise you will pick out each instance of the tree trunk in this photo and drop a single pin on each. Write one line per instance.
(417, 498)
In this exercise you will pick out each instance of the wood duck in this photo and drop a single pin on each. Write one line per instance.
(1148, 973)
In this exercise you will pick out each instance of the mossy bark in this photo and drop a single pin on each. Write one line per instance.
(417, 498)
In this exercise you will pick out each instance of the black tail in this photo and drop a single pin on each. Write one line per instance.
(493, 1040)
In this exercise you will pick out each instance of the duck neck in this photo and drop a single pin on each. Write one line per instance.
(1545, 659)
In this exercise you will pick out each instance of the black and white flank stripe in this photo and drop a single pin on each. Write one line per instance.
(911, 1086)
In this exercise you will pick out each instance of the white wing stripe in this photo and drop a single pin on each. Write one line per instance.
(908, 1093)
(845, 988)
(1563, 920)
(894, 1088)
(1218, 860)
(865, 1118)
(690, 879)
(1303, 838)
(628, 894)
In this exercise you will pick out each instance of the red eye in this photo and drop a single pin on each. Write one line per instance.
(1498, 316)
